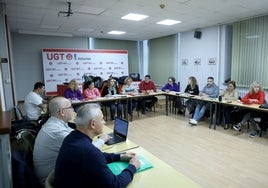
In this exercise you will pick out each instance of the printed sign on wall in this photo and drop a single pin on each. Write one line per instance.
(62, 65)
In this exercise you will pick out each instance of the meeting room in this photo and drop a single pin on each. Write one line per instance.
(155, 93)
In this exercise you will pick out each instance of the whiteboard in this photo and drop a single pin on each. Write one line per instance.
(63, 65)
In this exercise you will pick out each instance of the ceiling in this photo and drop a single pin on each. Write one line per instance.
(94, 18)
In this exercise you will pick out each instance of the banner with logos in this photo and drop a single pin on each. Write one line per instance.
(62, 65)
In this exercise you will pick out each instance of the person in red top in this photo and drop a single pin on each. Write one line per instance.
(256, 95)
(147, 86)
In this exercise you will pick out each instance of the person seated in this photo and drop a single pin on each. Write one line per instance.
(147, 86)
(34, 104)
(109, 90)
(73, 92)
(210, 90)
(193, 89)
(50, 137)
(171, 85)
(256, 95)
(80, 164)
(90, 91)
(129, 89)
(229, 94)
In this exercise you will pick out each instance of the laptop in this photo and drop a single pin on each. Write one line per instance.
(120, 131)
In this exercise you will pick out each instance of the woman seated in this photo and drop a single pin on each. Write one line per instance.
(109, 90)
(229, 94)
(129, 89)
(193, 89)
(171, 85)
(90, 91)
(256, 95)
(73, 92)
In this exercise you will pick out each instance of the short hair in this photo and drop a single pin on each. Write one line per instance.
(88, 83)
(75, 84)
(56, 103)
(148, 76)
(87, 113)
(38, 85)
(172, 78)
(210, 77)
(233, 83)
(128, 78)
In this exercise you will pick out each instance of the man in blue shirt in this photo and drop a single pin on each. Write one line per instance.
(210, 90)
(81, 164)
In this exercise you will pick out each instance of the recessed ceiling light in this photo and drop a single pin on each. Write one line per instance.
(116, 32)
(134, 17)
(168, 22)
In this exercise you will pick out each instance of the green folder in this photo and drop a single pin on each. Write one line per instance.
(118, 167)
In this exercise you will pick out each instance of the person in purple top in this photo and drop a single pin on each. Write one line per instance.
(171, 85)
(73, 92)
(81, 164)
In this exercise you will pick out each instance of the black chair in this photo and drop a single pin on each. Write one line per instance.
(98, 82)
(135, 76)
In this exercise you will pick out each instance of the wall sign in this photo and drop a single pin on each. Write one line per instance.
(63, 65)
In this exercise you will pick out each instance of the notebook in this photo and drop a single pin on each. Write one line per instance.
(120, 131)
(118, 167)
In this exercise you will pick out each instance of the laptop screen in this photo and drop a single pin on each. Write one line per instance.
(120, 127)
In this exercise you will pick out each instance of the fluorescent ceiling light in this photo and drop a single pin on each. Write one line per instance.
(168, 22)
(31, 32)
(134, 17)
(116, 32)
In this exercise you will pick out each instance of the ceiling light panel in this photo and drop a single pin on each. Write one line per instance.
(134, 17)
(116, 32)
(168, 22)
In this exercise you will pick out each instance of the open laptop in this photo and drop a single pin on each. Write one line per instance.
(120, 131)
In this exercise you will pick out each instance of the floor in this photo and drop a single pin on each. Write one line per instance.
(212, 158)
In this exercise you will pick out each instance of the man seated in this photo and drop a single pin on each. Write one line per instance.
(34, 105)
(80, 164)
(51, 135)
(210, 90)
(147, 86)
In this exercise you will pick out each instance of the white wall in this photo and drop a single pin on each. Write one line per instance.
(213, 44)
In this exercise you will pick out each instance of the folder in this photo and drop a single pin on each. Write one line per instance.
(118, 167)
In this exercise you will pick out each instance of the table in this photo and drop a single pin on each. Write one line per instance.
(117, 97)
(161, 175)
(119, 147)
(195, 97)
(238, 103)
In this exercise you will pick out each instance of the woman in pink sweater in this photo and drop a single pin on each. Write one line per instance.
(90, 91)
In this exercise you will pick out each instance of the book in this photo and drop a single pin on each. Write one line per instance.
(118, 167)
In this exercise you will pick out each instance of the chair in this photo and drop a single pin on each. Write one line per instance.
(135, 76)
(98, 82)
(17, 114)
(50, 180)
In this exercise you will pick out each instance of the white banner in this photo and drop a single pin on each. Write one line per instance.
(63, 65)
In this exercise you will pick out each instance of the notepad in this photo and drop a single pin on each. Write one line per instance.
(118, 167)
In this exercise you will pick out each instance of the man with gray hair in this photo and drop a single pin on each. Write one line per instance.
(80, 164)
(51, 136)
